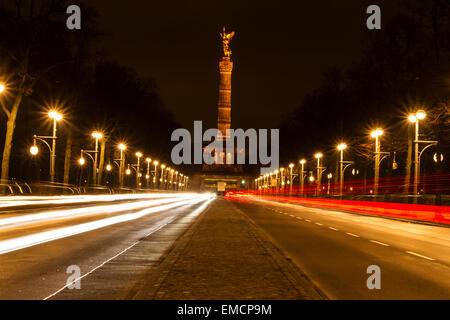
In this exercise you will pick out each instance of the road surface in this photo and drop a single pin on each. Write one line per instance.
(110, 240)
(335, 249)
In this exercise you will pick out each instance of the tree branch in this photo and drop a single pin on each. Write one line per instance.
(5, 110)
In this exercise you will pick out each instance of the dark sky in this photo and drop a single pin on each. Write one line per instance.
(279, 51)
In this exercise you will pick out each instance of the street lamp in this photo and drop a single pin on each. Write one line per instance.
(376, 134)
(302, 174)
(122, 147)
(291, 167)
(2, 87)
(162, 176)
(155, 178)
(97, 136)
(138, 155)
(34, 150)
(81, 161)
(329, 176)
(415, 118)
(147, 176)
(318, 156)
(108, 167)
(341, 147)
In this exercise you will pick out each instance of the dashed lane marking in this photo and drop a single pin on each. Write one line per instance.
(352, 234)
(380, 243)
(419, 255)
(333, 228)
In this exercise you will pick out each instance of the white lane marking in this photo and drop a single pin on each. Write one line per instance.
(319, 224)
(308, 220)
(333, 228)
(197, 211)
(299, 218)
(380, 243)
(291, 215)
(419, 255)
(352, 234)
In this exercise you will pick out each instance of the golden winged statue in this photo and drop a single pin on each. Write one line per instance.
(226, 39)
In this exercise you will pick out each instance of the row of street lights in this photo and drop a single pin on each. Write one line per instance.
(169, 178)
(267, 181)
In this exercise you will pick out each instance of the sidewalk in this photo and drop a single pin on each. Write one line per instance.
(223, 255)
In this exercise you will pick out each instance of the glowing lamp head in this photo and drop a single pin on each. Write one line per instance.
(55, 115)
(128, 172)
(281, 169)
(122, 146)
(108, 167)
(412, 118)
(342, 146)
(318, 155)
(97, 135)
(82, 161)
(138, 154)
(34, 150)
(2, 87)
(291, 165)
(163, 166)
(303, 161)
(148, 160)
(376, 133)
(311, 178)
(421, 114)
(330, 175)
(155, 163)
(276, 171)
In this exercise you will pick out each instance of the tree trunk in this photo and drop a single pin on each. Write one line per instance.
(67, 158)
(10, 126)
(102, 161)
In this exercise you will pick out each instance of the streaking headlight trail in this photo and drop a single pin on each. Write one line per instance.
(42, 237)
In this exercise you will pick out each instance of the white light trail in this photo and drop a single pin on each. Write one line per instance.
(79, 212)
(42, 237)
(15, 201)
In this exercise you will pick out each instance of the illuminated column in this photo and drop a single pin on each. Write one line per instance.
(224, 105)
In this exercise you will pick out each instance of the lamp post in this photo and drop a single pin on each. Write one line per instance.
(318, 156)
(138, 172)
(122, 148)
(329, 176)
(291, 177)
(302, 174)
(282, 178)
(376, 134)
(147, 176)
(415, 118)
(155, 178)
(161, 180)
(34, 150)
(97, 136)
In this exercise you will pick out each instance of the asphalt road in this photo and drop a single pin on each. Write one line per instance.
(111, 240)
(335, 249)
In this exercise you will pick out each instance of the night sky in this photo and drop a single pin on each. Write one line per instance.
(279, 51)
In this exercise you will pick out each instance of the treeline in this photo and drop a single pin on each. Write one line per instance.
(47, 66)
(405, 68)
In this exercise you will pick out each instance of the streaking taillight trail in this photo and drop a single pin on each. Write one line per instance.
(429, 213)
